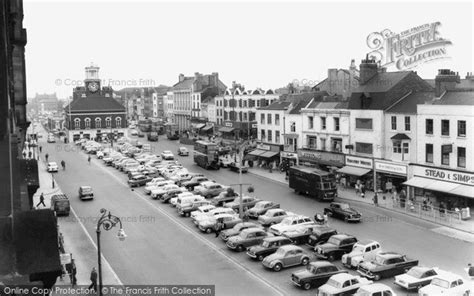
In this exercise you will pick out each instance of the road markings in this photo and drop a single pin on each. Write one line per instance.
(198, 236)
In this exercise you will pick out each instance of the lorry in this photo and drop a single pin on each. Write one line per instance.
(313, 182)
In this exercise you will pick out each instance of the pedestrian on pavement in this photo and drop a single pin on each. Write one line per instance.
(93, 279)
(362, 190)
(63, 164)
(40, 149)
(326, 219)
(89, 159)
(46, 156)
(41, 202)
(30, 154)
(218, 227)
(72, 273)
(470, 270)
(376, 200)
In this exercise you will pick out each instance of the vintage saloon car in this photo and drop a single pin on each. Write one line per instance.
(301, 234)
(447, 284)
(228, 221)
(336, 246)
(247, 238)
(247, 202)
(385, 264)
(139, 180)
(417, 277)
(209, 189)
(362, 251)
(224, 197)
(267, 247)
(342, 211)
(186, 210)
(289, 224)
(274, 216)
(261, 208)
(197, 217)
(202, 210)
(226, 234)
(195, 181)
(315, 275)
(286, 256)
(375, 289)
(320, 235)
(236, 167)
(342, 284)
(157, 193)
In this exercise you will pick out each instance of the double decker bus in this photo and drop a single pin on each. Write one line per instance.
(144, 125)
(206, 155)
(172, 131)
(313, 182)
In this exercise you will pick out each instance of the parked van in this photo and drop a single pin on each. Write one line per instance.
(60, 204)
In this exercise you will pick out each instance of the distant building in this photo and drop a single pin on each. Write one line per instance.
(340, 81)
(44, 104)
(93, 112)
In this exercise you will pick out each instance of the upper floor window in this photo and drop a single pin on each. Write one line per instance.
(461, 157)
(277, 119)
(262, 118)
(364, 123)
(445, 152)
(394, 123)
(87, 123)
(323, 123)
(429, 153)
(108, 122)
(407, 123)
(310, 122)
(445, 127)
(118, 122)
(269, 119)
(461, 128)
(429, 126)
(98, 122)
(77, 123)
(365, 148)
(292, 127)
(336, 124)
(269, 136)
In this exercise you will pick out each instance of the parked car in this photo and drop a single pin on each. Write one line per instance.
(261, 208)
(174, 200)
(417, 277)
(167, 155)
(201, 211)
(361, 251)
(267, 247)
(343, 211)
(228, 220)
(224, 197)
(447, 284)
(236, 167)
(247, 202)
(274, 216)
(60, 204)
(183, 151)
(210, 215)
(158, 192)
(152, 137)
(134, 132)
(186, 211)
(85, 192)
(375, 289)
(139, 180)
(300, 235)
(286, 256)
(226, 234)
(209, 189)
(336, 246)
(247, 238)
(320, 235)
(342, 284)
(51, 139)
(155, 185)
(386, 264)
(315, 274)
(52, 167)
(290, 223)
(141, 135)
(194, 181)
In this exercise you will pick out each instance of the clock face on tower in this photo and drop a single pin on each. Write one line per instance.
(93, 86)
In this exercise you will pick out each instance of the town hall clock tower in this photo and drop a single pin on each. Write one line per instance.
(92, 81)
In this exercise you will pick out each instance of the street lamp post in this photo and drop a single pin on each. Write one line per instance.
(107, 221)
(241, 206)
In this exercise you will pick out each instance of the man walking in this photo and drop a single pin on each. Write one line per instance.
(46, 156)
(93, 284)
(73, 273)
(218, 227)
(41, 202)
(89, 159)
(40, 148)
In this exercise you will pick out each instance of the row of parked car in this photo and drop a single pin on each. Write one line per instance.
(279, 238)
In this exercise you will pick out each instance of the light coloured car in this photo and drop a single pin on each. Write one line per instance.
(201, 210)
(417, 277)
(149, 188)
(209, 215)
(134, 132)
(274, 216)
(286, 256)
(246, 238)
(209, 189)
(167, 155)
(290, 223)
(247, 202)
(364, 250)
(85, 192)
(261, 208)
(342, 284)
(375, 289)
(226, 234)
(155, 181)
(160, 191)
(183, 151)
(186, 211)
(173, 201)
(52, 167)
(447, 284)
(228, 221)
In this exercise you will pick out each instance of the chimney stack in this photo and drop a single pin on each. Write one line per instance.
(181, 77)
(368, 69)
(445, 80)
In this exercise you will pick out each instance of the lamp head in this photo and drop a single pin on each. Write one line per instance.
(121, 234)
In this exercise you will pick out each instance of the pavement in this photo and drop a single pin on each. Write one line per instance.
(463, 229)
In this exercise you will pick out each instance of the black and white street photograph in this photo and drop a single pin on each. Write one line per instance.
(236, 148)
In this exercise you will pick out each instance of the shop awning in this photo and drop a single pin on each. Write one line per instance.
(418, 182)
(441, 186)
(354, 171)
(400, 137)
(269, 154)
(226, 129)
(256, 152)
(463, 190)
(206, 128)
(198, 125)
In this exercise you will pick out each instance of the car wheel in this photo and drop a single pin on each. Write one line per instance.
(277, 267)
(305, 261)
(260, 257)
(307, 286)
(187, 214)
(240, 248)
(346, 219)
(377, 277)
(208, 230)
(329, 213)
(331, 257)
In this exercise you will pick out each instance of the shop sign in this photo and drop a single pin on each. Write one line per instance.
(444, 175)
(359, 162)
(398, 169)
(254, 125)
(228, 124)
(263, 147)
(288, 155)
(321, 157)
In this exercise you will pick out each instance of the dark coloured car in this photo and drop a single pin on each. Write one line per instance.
(85, 192)
(320, 235)
(336, 246)
(386, 264)
(315, 275)
(261, 208)
(267, 247)
(225, 234)
(301, 234)
(342, 211)
(195, 181)
(235, 167)
(139, 180)
(247, 238)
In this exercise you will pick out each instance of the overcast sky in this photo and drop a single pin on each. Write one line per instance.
(266, 44)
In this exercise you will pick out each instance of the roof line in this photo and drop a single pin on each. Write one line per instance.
(398, 101)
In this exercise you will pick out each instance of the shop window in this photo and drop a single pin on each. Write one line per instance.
(269, 135)
(394, 123)
(277, 119)
(277, 136)
(292, 127)
(323, 123)
(269, 119)
(397, 147)
(336, 124)
(429, 126)
(262, 135)
(364, 123)
(310, 122)
(365, 148)
(445, 127)
(311, 142)
(323, 144)
(461, 128)
(262, 118)
(445, 151)
(461, 157)
(407, 123)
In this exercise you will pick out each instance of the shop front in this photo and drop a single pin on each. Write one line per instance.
(265, 155)
(240, 130)
(288, 159)
(358, 168)
(443, 188)
(228, 131)
(390, 175)
(323, 160)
